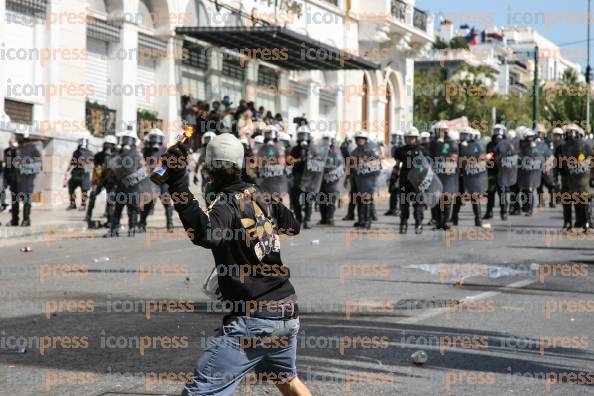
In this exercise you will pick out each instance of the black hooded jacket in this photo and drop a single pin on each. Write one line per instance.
(241, 227)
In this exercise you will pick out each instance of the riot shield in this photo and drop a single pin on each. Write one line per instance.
(271, 169)
(445, 164)
(530, 166)
(334, 170)
(424, 180)
(474, 168)
(313, 171)
(367, 168)
(506, 158)
(128, 169)
(575, 157)
(28, 165)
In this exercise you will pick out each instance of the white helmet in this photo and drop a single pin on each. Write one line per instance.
(511, 134)
(362, 134)
(259, 139)
(111, 139)
(425, 135)
(303, 129)
(499, 129)
(529, 132)
(454, 135)
(156, 132)
(208, 135)
(574, 128)
(521, 132)
(225, 147)
(282, 136)
(557, 131)
(24, 133)
(270, 132)
(329, 135)
(127, 133)
(412, 132)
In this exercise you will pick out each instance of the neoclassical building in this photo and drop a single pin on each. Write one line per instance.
(70, 67)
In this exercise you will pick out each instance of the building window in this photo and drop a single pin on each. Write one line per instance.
(195, 56)
(100, 119)
(19, 112)
(267, 76)
(232, 67)
(37, 8)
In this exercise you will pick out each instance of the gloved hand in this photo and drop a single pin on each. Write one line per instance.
(176, 160)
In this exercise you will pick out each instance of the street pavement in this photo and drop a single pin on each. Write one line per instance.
(505, 310)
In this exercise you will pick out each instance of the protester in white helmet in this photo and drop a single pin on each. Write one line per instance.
(262, 306)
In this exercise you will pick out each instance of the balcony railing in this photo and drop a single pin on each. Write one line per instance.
(399, 10)
(420, 19)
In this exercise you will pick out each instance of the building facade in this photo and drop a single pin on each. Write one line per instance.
(71, 68)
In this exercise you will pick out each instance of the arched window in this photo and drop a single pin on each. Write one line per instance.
(145, 16)
(364, 99)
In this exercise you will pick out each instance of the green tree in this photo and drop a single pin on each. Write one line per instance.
(565, 102)
(459, 43)
(439, 44)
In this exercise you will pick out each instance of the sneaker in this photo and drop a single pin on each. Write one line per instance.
(71, 207)
(403, 228)
(419, 229)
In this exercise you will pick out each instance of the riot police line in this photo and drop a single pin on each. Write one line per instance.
(437, 170)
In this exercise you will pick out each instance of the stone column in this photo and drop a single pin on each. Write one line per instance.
(124, 75)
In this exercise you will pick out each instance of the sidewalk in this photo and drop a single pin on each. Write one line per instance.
(57, 222)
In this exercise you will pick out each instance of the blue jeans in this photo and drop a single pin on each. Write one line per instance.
(245, 344)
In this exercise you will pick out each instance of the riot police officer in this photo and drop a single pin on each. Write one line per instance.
(271, 164)
(9, 172)
(499, 132)
(505, 158)
(365, 166)
(547, 178)
(473, 163)
(27, 165)
(408, 157)
(425, 139)
(397, 140)
(530, 168)
(100, 179)
(80, 173)
(443, 151)
(200, 167)
(573, 164)
(297, 160)
(333, 172)
(152, 153)
(248, 172)
(128, 169)
(346, 148)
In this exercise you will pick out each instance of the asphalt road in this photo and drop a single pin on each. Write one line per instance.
(506, 310)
